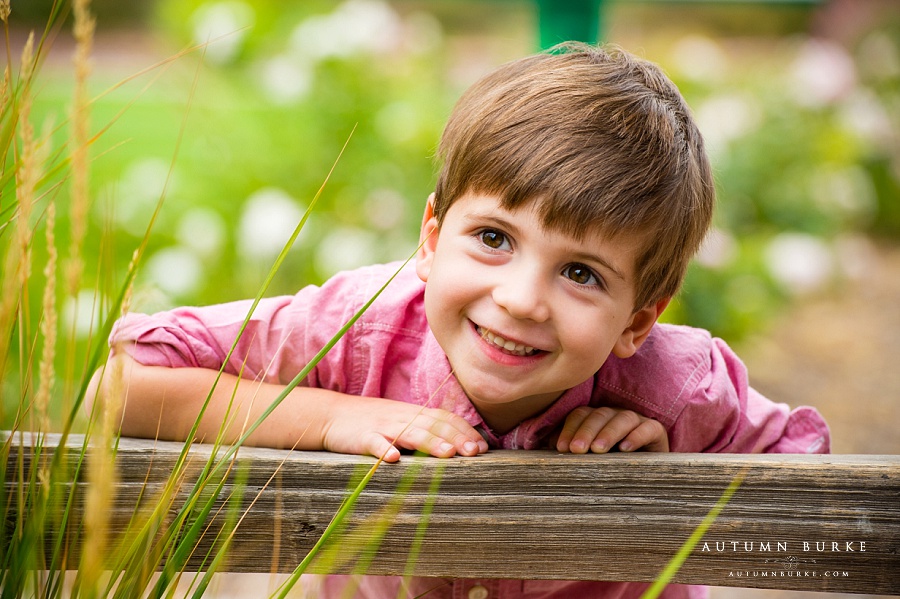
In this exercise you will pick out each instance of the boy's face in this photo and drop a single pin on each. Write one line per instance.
(525, 313)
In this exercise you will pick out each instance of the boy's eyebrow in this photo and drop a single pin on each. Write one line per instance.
(579, 255)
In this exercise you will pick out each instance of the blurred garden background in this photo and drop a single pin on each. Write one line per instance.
(799, 102)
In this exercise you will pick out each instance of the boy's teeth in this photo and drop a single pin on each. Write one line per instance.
(510, 346)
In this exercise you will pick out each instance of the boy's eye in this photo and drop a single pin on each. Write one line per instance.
(493, 239)
(581, 274)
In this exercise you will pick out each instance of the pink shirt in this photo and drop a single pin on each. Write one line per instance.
(690, 382)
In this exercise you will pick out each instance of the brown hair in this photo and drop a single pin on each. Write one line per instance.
(601, 139)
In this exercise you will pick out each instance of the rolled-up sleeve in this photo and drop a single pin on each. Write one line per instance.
(281, 336)
(724, 414)
(203, 336)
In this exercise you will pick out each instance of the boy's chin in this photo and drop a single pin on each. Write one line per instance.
(499, 396)
(486, 395)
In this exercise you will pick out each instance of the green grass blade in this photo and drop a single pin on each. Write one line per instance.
(336, 522)
(684, 552)
(421, 528)
(226, 534)
(361, 544)
(194, 525)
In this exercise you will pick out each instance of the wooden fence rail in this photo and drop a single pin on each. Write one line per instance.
(814, 523)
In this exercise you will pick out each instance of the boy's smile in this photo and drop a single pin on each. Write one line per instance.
(522, 312)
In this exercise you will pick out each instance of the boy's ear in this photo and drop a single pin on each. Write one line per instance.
(639, 328)
(427, 240)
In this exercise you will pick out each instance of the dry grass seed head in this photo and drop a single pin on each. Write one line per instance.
(27, 174)
(84, 26)
(4, 88)
(48, 324)
(17, 267)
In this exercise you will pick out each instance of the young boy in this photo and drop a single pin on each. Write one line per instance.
(574, 190)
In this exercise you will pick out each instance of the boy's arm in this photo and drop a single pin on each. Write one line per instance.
(164, 403)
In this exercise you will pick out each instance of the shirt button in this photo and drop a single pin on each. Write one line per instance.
(478, 592)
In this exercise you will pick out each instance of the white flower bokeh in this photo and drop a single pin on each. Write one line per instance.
(267, 222)
(203, 230)
(718, 250)
(176, 270)
(799, 262)
(355, 26)
(345, 248)
(724, 118)
(138, 191)
(821, 74)
(223, 26)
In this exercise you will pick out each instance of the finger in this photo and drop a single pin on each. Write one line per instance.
(573, 422)
(589, 437)
(424, 440)
(455, 430)
(614, 430)
(376, 445)
(650, 435)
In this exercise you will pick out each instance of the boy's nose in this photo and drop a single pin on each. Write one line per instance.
(523, 295)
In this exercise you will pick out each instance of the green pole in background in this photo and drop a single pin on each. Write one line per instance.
(568, 20)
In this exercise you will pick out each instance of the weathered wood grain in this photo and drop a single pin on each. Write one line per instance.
(825, 523)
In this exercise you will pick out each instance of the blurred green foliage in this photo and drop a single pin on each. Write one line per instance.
(803, 139)
(282, 85)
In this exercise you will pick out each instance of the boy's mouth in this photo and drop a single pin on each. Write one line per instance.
(509, 347)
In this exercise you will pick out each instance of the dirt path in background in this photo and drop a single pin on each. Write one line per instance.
(841, 354)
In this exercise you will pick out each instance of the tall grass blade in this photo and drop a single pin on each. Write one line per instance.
(226, 535)
(83, 29)
(17, 267)
(360, 544)
(46, 374)
(421, 529)
(336, 522)
(671, 568)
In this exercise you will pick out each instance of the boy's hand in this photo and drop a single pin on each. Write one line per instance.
(600, 429)
(369, 425)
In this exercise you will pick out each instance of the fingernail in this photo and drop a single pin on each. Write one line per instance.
(445, 447)
(576, 446)
(625, 446)
(599, 447)
(470, 447)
